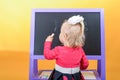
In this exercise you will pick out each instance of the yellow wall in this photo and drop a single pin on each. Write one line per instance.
(15, 34)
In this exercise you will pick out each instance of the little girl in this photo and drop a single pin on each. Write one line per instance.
(70, 58)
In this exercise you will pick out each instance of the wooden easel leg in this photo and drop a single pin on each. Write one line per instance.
(31, 69)
(101, 68)
(35, 67)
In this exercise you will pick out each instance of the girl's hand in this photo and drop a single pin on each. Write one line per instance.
(50, 37)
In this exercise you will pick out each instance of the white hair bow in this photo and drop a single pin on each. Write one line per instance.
(75, 19)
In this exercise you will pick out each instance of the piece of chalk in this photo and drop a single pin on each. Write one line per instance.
(52, 34)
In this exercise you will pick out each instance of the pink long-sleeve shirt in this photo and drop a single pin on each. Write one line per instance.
(67, 57)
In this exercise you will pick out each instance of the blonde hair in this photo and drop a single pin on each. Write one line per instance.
(74, 34)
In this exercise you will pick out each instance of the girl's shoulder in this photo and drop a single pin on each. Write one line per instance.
(58, 47)
(69, 48)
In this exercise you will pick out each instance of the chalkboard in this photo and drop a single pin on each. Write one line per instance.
(46, 22)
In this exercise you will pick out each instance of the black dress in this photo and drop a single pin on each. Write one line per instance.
(56, 75)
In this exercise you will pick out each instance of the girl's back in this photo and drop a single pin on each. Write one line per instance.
(70, 58)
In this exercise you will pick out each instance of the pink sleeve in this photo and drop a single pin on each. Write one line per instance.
(48, 52)
(84, 61)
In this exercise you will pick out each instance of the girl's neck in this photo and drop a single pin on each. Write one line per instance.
(66, 44)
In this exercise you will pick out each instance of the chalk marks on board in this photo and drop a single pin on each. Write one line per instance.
(55, 27)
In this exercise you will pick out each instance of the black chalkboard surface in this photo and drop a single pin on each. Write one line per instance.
(47, 22)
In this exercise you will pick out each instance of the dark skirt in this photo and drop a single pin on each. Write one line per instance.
(56, 75)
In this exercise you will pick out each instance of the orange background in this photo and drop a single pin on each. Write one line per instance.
(15, 16)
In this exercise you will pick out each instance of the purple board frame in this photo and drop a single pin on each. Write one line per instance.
(101, 67)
